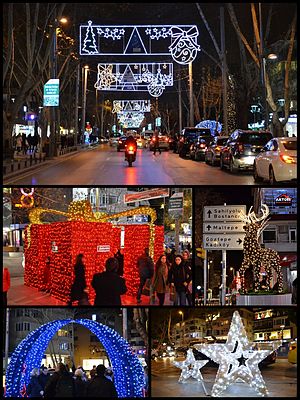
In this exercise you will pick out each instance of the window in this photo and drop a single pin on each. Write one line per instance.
(269, 236)
(293, 235)
(64, 346)
(290, 145)
(22, 326)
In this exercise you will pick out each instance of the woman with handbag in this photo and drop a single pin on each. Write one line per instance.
(160, 279)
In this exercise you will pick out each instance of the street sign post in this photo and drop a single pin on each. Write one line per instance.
(224, 213)
(176, 203)
(223, 227)
(223, 241)
(51, 93)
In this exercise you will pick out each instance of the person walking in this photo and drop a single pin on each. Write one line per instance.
(294, 291)
(120, 257)
(188, 265)
(156, 143)
(146, 270)
(34, 388)
(93, 372)
(6, 285)
(160, 279)
(100, 386)
(43, 377)
(60, 384)
(79, 285)
(180, 276)
(80, 383)
(109, 286)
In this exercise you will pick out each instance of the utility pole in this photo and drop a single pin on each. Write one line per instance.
(224, 71)
(76, 104)
(86, 69)
(263, 70)
(179, 103)
(6, 339)
(125, 329)
(191, 94)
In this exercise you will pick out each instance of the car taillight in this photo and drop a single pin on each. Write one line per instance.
(202, 145)
(120, 141)
(240, 147)
(287, 159)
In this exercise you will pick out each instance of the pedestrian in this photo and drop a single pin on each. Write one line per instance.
(100, 386)
(6, 285)
(79, 285)
(80, 383)
(180, 276)
(155, 140)
(160, 279)
(93, 372)
(109, 374)
(34, 388)
(294, 291)
(146, 270)
(43, 377)
(19, 143)
(60, 384)
(47, 276)
(109, 286)
(188, 264)
(146, 387)
(120, 257)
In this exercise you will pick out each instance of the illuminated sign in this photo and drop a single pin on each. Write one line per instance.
(283, 200)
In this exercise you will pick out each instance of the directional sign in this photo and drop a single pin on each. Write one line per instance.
(224, 213)
(51, 93)
(223, 227)
(228, 241)
(176, 203)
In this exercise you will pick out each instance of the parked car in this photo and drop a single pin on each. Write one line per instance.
(277, 161)
(212, 151)
(188, 137)
(292, 354)
(198, 148)
(163, 143)
(241, 149)
(271, 358)
(121, 143)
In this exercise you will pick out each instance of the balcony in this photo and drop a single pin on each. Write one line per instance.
(281, 246)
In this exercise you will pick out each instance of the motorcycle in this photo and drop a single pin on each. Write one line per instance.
(130, 154)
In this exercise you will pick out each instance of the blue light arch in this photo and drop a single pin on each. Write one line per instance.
(128, 371)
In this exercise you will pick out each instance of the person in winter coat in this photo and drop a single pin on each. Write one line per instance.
(79, 284)
(146, 270)
(180, 276)
(109, 286)
(43, 377)
(120, 257)
(34, 388)
(188, 264)
(160, 279)
(80, 384)
(6, 285)
(100, 386)
(60, 384)
(155, 140)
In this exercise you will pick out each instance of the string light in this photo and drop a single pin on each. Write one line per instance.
(83, 233)
(237, 359)
(257, 256)
(128, 371)
(190, 368)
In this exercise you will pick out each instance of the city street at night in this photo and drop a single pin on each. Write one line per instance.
(280, 378)
(104, 165)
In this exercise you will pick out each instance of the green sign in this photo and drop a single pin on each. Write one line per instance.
(51, 93)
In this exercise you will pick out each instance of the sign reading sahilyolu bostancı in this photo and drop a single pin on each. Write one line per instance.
(51, 93)
(224, 213)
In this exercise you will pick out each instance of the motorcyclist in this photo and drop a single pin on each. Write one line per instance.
(130, 141)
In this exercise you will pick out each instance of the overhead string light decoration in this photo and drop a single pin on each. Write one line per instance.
(152, 77)
(237, 359)
(128, 371)
(190, 368)
(139, 106)
(263, 260)
(139, 40)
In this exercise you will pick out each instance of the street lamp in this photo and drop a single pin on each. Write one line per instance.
(85, 72)
(182, 317)
(282, 328)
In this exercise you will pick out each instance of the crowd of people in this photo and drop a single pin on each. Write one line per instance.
(63, 383)
(172, 273)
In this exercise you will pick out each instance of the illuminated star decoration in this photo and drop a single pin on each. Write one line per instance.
(237, 359)
(190, 367)
(105, 77)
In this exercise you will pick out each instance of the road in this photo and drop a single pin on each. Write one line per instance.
(280, 379)
(103, 165)
(21, 295)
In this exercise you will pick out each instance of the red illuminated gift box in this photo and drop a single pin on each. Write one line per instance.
(62, 241)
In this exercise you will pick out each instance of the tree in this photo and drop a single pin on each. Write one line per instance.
(140, 318)
(257, 56)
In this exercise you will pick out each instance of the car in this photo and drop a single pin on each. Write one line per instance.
(113, 140)
(241, 148)
(271, 358)
(163, 143)
(292, 354)
(198, 148)
(188, 136)
(142, 143)
(277, 162)
(212, 151)
(121, 143)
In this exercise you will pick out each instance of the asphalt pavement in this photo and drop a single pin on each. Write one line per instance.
(103, 165)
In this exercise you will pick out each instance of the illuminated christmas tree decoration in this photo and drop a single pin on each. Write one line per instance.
(128, 371)
(263, 260)
(132, 40)
(131, 105)
(190, 368)
(126, 77)
(238, 359)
